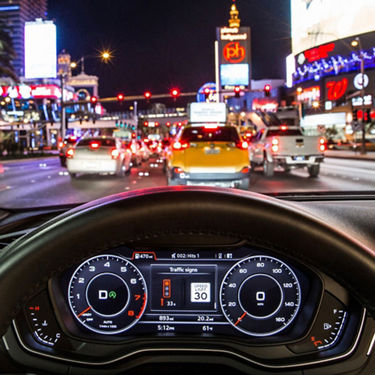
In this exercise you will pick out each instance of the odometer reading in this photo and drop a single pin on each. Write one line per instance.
(260, 296)
(107, 294)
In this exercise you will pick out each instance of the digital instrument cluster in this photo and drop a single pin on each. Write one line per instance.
(218, 292)
(237, 298)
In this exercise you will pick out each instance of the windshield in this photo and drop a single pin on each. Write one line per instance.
(206, 134)
(283, 132)
(267, 96)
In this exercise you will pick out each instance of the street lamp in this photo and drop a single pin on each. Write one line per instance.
(104, 55)
(357, 43)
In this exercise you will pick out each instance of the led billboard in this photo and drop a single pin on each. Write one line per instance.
(40, 49)
(234, 74)
(316, 22)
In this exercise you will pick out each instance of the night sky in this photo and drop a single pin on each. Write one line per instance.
(160, 44)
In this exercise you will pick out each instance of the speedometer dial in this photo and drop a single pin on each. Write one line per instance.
(107, 294)
(260, 296)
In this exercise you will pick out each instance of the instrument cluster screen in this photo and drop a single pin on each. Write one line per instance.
(242, 292)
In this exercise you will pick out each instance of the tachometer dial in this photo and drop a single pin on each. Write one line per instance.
(260, 296)
(107, 294)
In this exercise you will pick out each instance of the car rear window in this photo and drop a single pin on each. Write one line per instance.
(201, 134)
(103, 142)
(279, 132)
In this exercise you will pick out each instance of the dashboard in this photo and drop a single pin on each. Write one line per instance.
(191, 301)
(240, 299)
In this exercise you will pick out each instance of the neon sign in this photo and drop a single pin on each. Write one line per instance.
(333, 66)
(336, 89)
(234, 53)
(318, 53)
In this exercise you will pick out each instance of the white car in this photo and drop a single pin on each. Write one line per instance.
(98, 155)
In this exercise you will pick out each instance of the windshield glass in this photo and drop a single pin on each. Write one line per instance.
(203, 134)
(281, 132)
(267, 96)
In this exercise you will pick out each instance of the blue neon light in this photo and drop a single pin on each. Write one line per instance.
(11, 7)
(333, 66)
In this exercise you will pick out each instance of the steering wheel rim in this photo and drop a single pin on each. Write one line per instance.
(27, 264)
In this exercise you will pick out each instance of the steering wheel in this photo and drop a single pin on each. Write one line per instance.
(189, 212)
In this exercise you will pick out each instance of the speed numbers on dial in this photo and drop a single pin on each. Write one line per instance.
(107, 294)
(260, 295)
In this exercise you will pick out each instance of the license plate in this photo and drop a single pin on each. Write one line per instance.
(300, 158)
(90, 164)
(212, 151)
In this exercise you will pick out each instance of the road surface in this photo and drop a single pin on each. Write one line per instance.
(43, 182)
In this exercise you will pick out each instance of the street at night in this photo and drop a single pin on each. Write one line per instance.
(35, 183)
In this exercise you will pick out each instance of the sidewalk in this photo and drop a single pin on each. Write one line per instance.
(48, 154)
(346, 154)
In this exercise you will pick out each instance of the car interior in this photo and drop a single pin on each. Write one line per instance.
(188, 257)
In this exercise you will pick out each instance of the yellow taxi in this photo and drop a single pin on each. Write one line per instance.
(209, 155)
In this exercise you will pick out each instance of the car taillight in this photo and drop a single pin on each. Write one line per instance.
(245, 170)
(275, 145)
(115, 153)
(178, 170)
(322, 144)
(180, 145)
(243, 145)
(284, 128)
(61, 144)
(70, 153)
(94, 145)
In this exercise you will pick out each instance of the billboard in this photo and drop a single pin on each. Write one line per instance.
(234, 56)
(40, 49)
(208, 112)
(317, 22)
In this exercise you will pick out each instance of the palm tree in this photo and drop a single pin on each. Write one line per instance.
(7, 53)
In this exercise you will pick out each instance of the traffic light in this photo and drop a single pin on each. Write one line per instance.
(175, 93)
(93, 100)
(237, 91)
(206, 92)
(120, 97)
(145, 124)
(147, 95)
(267, 90)
(355, 115)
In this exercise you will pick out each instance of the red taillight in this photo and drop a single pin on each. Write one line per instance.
(243, 145)
(180, 145)
(61, 144)
(284, 128)
(94, 145)
(70, 153)
(178, 170)
(322, 144)
(275, 145)
(245, 170)
(115, 153)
